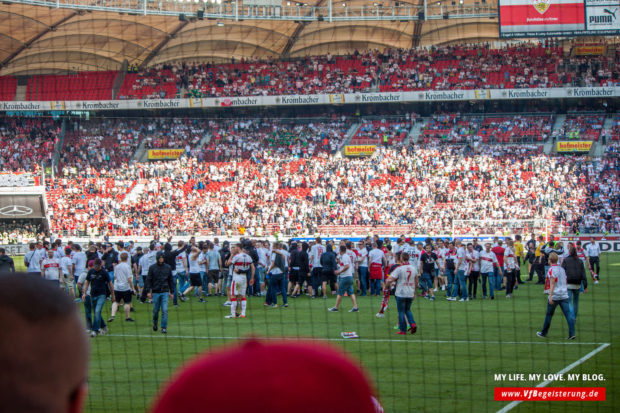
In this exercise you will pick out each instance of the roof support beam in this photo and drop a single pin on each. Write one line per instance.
(417, 26)
(300, 27)
(39, 35)
(161, 44)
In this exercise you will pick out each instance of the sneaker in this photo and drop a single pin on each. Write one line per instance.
(354, 310)
(332, 309)
(402, 333)
(163, 331)
(571, 337)
(595, 281)
(227, 303)
(484, 297)
(176, 305)
(285, 305)
(131, 320)
(202, 300)
(432, 298)
(428, 297)
(434, 289)
(451, 298)
(274, 305)
(102, 332)
(230, 316)
(462, 299)
(413, 328)
(154, 327)
(132, 310)
(110, 319)
(540, 334)
(242, 316)
(492, 297)
(325, 297)
(396, 327)
(508, 295)
(380, 315)
(93, 334)
(443, 288)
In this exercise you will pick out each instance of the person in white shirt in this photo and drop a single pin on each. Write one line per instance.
(241, 265)
(195, 279)
(462, 268)
(406, 279)
(593, 252)
(376, 264)
(473, 257)
(50, 268)
(345, 280)
(149, 258)
(277, 276)
(558, 295)
(362, 267)
(315, 263)
(511, 267)
(441, 252)
(32, 260)
(66, 265)
(123, 287)
(488, 262)
(181, 267)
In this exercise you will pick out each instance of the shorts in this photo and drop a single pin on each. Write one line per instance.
(345, 285)
(67, 282)
(195, 280)
(294, 277)
(213, 276)
(123, 295)
(239, 285)
(328, 276)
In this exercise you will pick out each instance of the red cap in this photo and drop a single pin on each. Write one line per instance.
(408, 240)
(278, 377)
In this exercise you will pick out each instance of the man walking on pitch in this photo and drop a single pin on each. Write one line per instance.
(159, 286)
(593, 252)
(558, 295)
(406, 278)
(345, 280)
(123, 287)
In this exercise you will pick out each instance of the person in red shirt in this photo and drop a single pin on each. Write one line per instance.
(498, 250)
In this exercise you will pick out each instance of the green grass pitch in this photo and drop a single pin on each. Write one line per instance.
(448, 366)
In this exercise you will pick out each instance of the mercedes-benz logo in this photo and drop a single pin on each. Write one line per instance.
(15, 210)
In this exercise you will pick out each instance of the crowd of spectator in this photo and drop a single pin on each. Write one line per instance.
(421, 187)
(20, 231)
(26, 143)
(526, 65)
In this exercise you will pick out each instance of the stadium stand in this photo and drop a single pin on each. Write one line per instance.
(26, 142)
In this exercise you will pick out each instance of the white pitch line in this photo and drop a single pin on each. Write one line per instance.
(566, 369)
(371, 340)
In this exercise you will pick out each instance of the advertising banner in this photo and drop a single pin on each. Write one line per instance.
(359, 150)
(574, 146)
(160, 154)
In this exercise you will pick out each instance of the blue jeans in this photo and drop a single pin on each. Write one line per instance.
(375, 287)
(460, 281)
(427, 282)
(451, 281)
(568, 313)
(175, 280)
(205, 283)
(97, 303)
(111, 274)
(363, 274)
(492, 283)
(276, 282)
(160, 300)
(403, 305)
(573, 300)
(183, 281)
(316, 280)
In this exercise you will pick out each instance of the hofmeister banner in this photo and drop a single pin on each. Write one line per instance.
(574, 146)
(159, 154)
(359, 150)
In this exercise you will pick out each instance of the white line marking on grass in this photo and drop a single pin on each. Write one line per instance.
(566, 369)
(371, 340)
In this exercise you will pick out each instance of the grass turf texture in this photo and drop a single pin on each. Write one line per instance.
(448, 366)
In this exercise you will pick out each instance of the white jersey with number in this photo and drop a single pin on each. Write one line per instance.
(375, 256)
(405, 281)
(241, 264)
(510, 261)
(51, 268)
(362, 257)
(180, 261)
(345, 260)
(315, 255)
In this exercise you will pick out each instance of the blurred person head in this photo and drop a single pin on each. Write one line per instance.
(37, 377)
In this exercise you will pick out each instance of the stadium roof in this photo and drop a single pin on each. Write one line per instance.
(40, 39)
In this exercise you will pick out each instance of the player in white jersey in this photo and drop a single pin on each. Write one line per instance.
(593, 251)
(440, 279)
(181, 269)
(50, 268)
(66, 265)
(353, 256)
(242, 265)
(362, 267)
(345, 280)
(473, 257)
(406, 279)
(315, 263)
(376, 264)
(195, 278)
(488, 261)
(557, 288)
(462, 267)
(123, 287)
(510, 267)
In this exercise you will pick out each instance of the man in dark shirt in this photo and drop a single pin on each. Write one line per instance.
(328, 266)
(96, 280)
(428, 259)
(159, 286)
